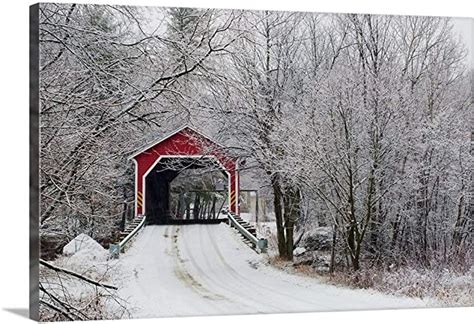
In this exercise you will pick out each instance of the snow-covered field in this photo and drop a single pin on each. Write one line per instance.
(207, 270)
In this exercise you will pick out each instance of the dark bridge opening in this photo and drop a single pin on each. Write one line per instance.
(181, 190)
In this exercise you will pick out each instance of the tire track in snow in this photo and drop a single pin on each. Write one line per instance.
(240, 281)
(251, 283)
(230, 287)
(179, 274)
(182, 274)
(140, 272)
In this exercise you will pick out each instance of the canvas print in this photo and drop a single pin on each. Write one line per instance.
(194, 161)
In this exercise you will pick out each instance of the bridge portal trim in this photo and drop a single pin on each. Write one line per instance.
(186, 142)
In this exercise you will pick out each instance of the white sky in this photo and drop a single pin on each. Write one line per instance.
(465, 27)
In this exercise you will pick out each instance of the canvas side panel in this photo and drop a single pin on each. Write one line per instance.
(34, 162)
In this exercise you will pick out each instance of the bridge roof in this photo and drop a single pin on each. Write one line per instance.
(184, 129)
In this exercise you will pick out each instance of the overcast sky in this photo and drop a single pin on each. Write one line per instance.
(465, 27)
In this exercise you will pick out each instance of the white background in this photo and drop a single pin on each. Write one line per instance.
(14, 132)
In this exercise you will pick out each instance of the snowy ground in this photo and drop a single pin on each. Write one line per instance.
(207, 270)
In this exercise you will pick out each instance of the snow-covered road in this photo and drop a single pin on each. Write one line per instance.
(207, 270)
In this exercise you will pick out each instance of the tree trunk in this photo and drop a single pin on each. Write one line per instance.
(333, 249)
(213, 207)
(196, 206)
(187, 201)
(277, 196)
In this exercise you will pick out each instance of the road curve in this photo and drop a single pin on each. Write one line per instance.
(193, 270)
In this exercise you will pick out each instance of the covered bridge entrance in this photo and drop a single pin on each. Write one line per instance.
(159, 163)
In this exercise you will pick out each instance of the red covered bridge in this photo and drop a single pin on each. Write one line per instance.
(185, 148)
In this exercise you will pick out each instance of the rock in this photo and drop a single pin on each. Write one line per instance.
(323, 268)
(299, 251)
(318, 239)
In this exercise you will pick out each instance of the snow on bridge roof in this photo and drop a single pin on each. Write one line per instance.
(156, 142)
